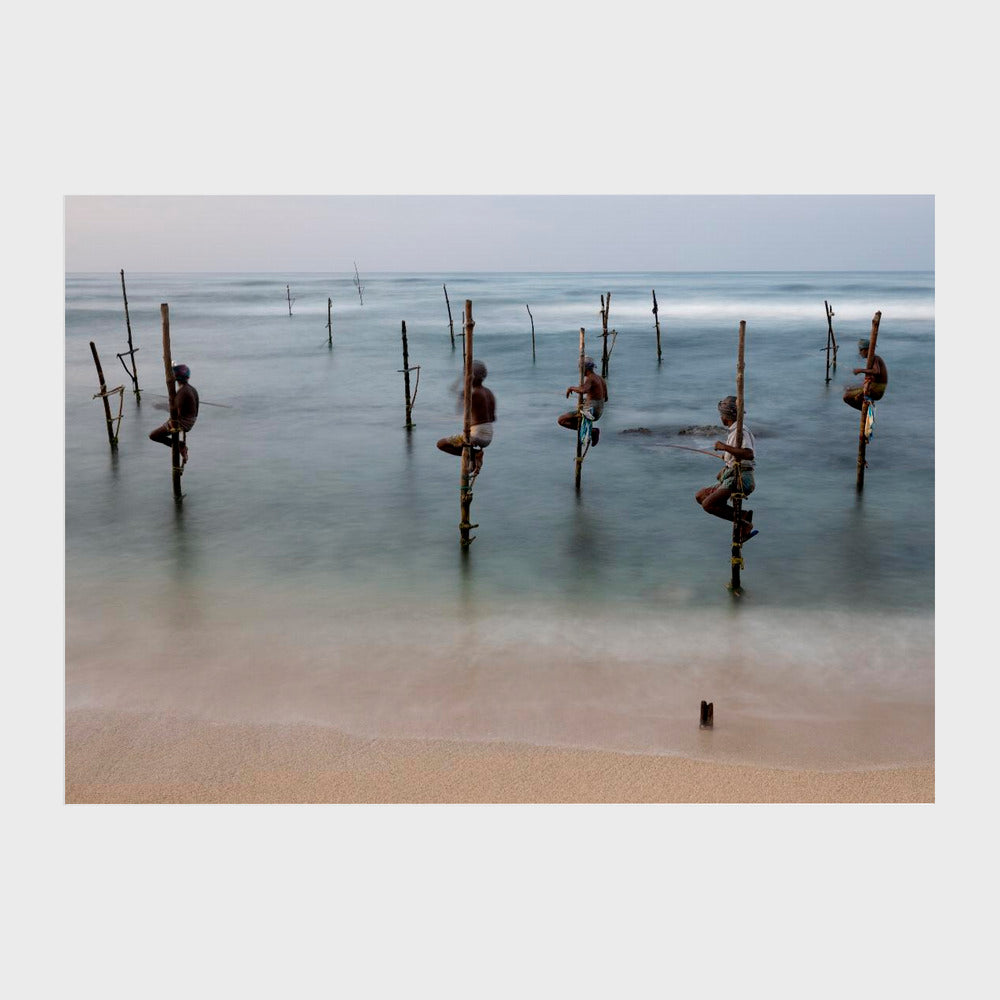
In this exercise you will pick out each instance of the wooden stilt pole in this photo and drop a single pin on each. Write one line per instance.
(579, 410)
(465, 485)
(133, 374)
(736, 556)
(288, 293)
(532, 318)
(707, 719)
(831, 340)
(605, 309)
(656, 316)
(329, 320)
(357, 281)
(168, 368)
(862, 443)
(406, 380)
(451, 324)
(112, 435)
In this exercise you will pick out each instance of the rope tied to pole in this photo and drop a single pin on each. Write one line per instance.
(120, 389)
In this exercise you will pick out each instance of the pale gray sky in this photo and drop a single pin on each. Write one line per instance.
(501, 232)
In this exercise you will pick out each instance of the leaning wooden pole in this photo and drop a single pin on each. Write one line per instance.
(134, 373)
(406, 380)
(112, 436)
(656, 316)
(831, 340)
(736, 556)
(168, 368)
(451, 322)
(465, 485)
(532, 318)
(862, 443)
(579, 410)
(329, 321)
(288, 295)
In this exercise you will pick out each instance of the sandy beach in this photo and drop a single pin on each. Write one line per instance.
(130, 758)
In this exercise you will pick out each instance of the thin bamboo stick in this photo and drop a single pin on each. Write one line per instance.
(134, 373)
(656, 316)
(406, 380)
(532, 318)
(357, 281)
(168, 369)
(579, 410)
(451, 323)
(329, 320)
(112, 436)
(831, 340)
(465, 485)
(862, 443)
(736, 557)
(288, 293)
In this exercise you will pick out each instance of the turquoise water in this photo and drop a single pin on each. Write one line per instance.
(314, 526)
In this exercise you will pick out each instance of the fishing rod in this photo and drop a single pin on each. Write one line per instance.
(203, 402)
(701, 451)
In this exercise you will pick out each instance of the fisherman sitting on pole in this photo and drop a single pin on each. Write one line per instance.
(186, 399)
(876, 379)
(595, 392)
(714, 499)
(484, 413)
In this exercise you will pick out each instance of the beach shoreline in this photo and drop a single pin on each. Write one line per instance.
(118, 757)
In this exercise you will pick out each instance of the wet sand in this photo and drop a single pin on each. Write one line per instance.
(115, 757)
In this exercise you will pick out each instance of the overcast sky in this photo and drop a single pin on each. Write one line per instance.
(505, 233)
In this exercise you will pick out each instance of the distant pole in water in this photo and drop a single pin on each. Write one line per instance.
(831, 340)
(451, 322)
(532, 318)
(656, 316)
(133, 374)
(736, 556)
(406, 379)
(175, 448)
(605, 309)
(862, 443)
(357, 282)
(329, 320)
(103, 394)
(579, 411)
(465, 487)
(288, 293)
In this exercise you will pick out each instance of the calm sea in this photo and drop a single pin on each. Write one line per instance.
(313, 572)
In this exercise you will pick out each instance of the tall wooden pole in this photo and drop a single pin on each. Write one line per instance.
(465, 485)
(288, 293)
(579, 411)
(451, 323)
(406, 379)
(329, 321)
(605, 309)
(736, 557)
(862, 443)
(831, 340)
(532, 318)
(168, 368)
(134, 373)
(112, 436)
(656, 316)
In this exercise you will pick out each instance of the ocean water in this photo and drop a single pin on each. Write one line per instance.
(313, 571)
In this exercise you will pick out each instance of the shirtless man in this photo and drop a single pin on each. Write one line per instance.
(876, 379)
(594, 391)
(186, 398)
(484, 413)
(715, 499)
